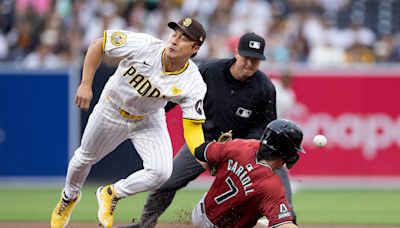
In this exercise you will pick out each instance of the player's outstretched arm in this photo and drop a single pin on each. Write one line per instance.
(92, 61)
(199, 154)
(193, 133)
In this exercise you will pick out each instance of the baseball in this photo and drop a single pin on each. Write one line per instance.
(262, 222)
(320, 140)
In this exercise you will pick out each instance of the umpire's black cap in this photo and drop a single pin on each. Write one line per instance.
(191, 28)
(251, 45)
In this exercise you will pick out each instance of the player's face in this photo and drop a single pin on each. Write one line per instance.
(245, 67)
(180, 45)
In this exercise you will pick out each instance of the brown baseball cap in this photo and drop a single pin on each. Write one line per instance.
(191, 28)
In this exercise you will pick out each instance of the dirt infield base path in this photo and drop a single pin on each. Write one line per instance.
(77, 225)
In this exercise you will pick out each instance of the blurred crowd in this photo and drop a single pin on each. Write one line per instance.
(54, 33)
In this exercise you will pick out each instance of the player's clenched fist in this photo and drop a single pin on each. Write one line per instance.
(83, 97)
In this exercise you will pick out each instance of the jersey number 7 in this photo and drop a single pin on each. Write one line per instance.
(233, 191)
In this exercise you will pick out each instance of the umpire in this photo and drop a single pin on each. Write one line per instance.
(239, 98)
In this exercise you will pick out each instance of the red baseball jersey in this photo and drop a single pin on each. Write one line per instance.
(244, 190)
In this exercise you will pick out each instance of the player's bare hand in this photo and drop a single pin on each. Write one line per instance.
(204, 164)
(83, 97)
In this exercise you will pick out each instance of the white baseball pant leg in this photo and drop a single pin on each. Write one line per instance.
(152, 141)
(199, 217)
(105, 130)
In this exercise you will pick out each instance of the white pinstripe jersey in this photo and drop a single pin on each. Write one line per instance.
(140, 86)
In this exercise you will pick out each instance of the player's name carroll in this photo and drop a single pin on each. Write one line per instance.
(241, 173)
(143, 85)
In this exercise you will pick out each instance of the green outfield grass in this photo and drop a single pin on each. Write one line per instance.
(312, 206)
(348, 207)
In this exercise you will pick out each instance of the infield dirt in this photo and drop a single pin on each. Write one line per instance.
(86, 225)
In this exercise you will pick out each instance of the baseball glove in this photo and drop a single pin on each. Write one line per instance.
(225, 137)
(213, 170)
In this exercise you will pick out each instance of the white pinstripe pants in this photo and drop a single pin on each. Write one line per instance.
(105, 130)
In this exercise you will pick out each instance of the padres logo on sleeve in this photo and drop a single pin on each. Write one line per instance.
(118, 38)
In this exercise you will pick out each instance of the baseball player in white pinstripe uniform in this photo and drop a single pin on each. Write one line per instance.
(131, 106)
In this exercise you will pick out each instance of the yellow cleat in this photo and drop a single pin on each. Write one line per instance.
(63, 210)
(106, 197)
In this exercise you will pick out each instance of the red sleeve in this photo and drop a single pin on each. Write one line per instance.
(217, 152)
(214, 152)
(275, 206)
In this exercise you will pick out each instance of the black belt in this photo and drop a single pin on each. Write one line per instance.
(203, 211)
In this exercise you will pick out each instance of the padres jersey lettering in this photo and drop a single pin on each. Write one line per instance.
(131, 71)
(140, 86)
(131, 107)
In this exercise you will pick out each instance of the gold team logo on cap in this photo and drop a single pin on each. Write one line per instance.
(118, 38)
(187, 22)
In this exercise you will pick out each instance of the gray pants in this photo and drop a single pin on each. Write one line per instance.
(199, 217)
(185, 169)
